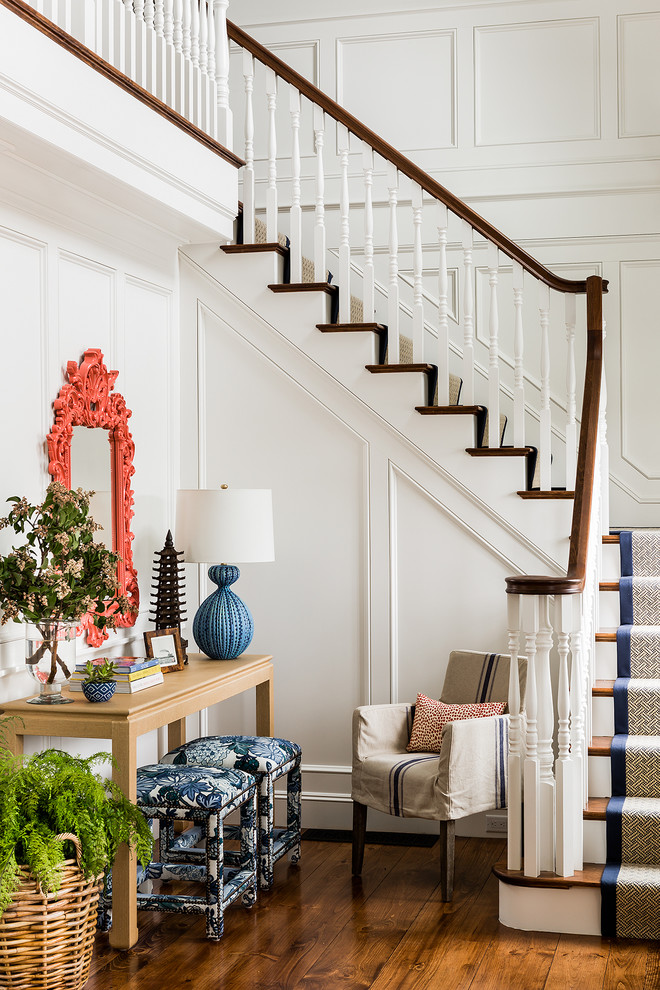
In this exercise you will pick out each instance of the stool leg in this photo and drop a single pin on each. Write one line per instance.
(266, 826)
(293, 817)
(250, 845)
(215, 921)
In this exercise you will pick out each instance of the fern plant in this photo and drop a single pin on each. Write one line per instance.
(44, 795)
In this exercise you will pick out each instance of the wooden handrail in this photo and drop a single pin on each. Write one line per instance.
(403, 164)
(75, 47)
(573, 583)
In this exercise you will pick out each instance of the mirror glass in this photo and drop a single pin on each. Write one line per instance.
(90, 470)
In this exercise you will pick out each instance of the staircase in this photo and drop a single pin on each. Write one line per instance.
(436, 371)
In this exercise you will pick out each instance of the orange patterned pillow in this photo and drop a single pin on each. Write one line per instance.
(431, 717)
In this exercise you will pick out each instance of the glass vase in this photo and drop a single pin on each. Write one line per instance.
(50, 657)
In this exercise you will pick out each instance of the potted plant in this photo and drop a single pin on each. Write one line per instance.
(100, 683)
(61, 824)
(56, 577)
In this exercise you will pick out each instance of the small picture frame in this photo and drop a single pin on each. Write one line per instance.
(165, 645)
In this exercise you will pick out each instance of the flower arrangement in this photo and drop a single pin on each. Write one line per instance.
(60, 573)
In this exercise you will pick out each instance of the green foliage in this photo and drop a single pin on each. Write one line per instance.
(103, 672)
(59, 572)
(44, 795)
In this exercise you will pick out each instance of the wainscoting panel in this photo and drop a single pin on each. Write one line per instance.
(639, 75)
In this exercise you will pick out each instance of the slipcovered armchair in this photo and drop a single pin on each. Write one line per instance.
(467, 776)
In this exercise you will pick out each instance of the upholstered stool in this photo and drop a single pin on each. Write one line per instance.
(267, 759)
(204, 795)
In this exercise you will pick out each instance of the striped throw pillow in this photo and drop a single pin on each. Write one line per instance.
(432, 716)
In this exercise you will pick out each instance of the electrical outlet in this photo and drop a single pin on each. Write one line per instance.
(496, 823)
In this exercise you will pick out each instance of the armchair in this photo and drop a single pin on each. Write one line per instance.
(467, 776)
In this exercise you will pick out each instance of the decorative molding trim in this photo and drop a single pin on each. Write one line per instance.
(621, 21)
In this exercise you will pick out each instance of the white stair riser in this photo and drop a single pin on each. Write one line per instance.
(575, 910)
(595, 842)
(610, 562)
(602, 713)
(608, 609)
(605, 661)
(600, 777)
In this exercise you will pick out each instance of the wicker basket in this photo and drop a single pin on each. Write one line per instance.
(46, 940)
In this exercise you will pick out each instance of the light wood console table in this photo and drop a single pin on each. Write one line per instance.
(125, 717)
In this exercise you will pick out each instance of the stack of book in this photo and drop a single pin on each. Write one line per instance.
(132, 674)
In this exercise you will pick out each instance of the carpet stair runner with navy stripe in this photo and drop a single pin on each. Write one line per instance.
(631, 879)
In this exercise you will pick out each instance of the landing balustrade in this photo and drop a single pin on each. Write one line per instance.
(453, 291)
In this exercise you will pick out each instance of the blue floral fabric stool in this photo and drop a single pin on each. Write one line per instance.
(267, 759)
(206, 796)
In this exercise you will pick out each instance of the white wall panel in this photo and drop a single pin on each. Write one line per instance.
(639, 74)
(85, 307)
(640, 359)
(537, 82)
(411, 70)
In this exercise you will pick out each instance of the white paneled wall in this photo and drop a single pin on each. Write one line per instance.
(542, 116)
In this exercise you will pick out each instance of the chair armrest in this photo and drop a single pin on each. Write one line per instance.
(380, 729)
(473, 772)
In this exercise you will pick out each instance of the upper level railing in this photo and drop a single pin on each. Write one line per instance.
(175, 56)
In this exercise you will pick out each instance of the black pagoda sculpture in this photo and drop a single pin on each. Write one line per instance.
(168, 583)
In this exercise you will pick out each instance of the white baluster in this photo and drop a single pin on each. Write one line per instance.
(418, 273)
(161, 64)
(225, 123)
(493, 350)
(39, 6)
(179, 101)
(518, 348)
(159, 17)
(203, 68)
(194, 58)
(105, 32)
(343, 146)
(140, 44)
(532, 816)
(571, 425)
(393, 347)
(295, 249)
(368, 298)
(546, 725)
(566, 824)
(150, 45)
(194, 32)
(169, 54)
(514, 797)
(319, 213)
(187, 86)
(468, 317)
(604, 451)
(545, 451)
(130, 45)
(211, 71)
(65, 15)
(248, 171)
(578, 739)
(443, 317)
(271, 192)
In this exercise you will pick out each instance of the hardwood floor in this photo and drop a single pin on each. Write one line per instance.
(319, 929)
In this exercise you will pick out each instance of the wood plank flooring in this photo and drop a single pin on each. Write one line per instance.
(320, 929)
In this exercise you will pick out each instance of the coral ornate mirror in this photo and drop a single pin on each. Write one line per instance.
(90, 447)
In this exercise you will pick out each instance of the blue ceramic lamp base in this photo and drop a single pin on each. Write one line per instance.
(223, 625)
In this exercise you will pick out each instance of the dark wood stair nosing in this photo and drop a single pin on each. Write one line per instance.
(600, 746)
(500, 451)
(606, 637)
(255, 248)
(608, 586)
(303, 287)
(603, 688)
(611, 538)
(589, 876)
(451, 410)
(596, 809)
(554, 494)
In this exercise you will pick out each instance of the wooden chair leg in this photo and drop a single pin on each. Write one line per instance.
(359, 831)
(447, 845)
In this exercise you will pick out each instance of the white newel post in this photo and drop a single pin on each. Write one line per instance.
(271, 192)
(443, 317)
(518, 349)
(569, 818)
(531, 774)
(393, 347)
(493, 350)
(514, 798)
(248, 171)
(319, 212)
(571, 424)
(343, 147)
(295, 223)
(368, 299)
(546, 727)
(225, 123)
(418, 274)
(545, 452)
(468, 317)
(578, 736)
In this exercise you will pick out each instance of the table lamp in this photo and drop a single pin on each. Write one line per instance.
(225, 524)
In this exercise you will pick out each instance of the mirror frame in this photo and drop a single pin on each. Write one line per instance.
(89, 400)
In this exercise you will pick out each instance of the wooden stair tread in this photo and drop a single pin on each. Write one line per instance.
(536, 493)
(380, 369)
(611, 538)
(350, 327)
(588, 877)
(451, 410)
(595, 810)
(603, 689)
(600, 746)
(608, 586)
(304, 287)
(606, 636)
(500, 451)
(254, 248)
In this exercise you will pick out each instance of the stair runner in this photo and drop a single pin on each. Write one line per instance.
(357, 316)
(630, 885)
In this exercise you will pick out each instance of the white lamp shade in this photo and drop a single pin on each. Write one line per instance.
(226, 525)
